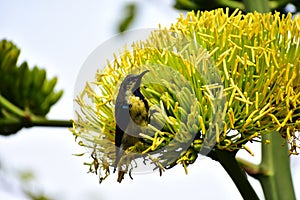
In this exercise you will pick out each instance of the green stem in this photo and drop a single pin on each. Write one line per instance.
(249, 167)
(11, 107)
(13, 125)
(276, 179)
(238, 176)
(37, 121)
(261, 6)
(17, 119)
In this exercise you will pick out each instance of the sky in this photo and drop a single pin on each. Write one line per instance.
(59, 35)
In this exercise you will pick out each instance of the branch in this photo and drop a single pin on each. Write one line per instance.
(277, 180)
(15, 119)
(238, 176)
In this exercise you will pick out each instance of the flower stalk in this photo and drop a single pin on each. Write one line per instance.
(236, 173)
(276, 179)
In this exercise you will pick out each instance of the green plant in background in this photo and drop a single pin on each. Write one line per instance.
(257, 58)
(26, 95)
(203, 5)
(23, 181)
(129, 17)
(243, 5)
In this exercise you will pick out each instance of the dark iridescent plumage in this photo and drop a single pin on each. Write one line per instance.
(131, 108)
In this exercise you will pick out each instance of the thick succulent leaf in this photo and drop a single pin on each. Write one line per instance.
(28, 89)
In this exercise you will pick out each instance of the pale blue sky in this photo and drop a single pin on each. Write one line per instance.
(59, 35)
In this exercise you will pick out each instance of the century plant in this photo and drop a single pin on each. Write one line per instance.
(216, 80)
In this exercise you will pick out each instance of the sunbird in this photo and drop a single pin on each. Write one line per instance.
(131, 113)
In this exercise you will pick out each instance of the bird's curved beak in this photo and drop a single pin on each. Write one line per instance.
(140, 76)
(143, 73)
(139, 79)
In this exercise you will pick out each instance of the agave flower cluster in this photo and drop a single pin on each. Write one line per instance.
(210, 73)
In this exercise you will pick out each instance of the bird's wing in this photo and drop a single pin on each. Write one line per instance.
(122, 120)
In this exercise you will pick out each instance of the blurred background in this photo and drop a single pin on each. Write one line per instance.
(59, 35)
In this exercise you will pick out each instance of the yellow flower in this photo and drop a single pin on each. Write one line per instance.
(210, 73)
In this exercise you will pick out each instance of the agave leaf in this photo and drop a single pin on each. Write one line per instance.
(25, 89)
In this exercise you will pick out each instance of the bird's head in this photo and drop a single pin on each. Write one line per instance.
(133, 81)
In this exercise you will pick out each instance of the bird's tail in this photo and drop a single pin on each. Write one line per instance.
(119, 153)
